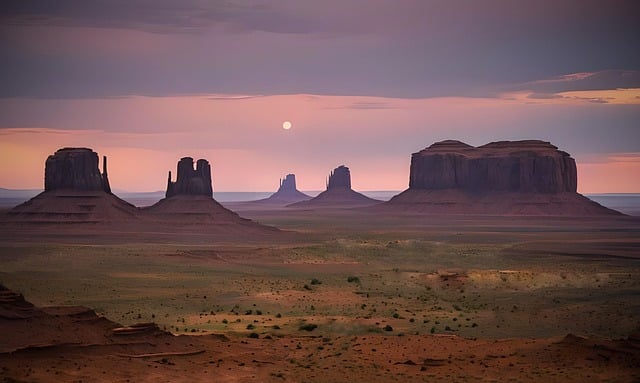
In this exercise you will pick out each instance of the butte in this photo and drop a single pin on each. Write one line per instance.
(189, 204)
(74, 192)
(338, 193)
(286, 194)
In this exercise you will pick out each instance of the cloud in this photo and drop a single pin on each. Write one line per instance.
(365, 105)
(543, 96)
(389, 48)
(602, 80)
(162, 16)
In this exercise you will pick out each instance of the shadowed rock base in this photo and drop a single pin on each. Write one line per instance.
(455, 201)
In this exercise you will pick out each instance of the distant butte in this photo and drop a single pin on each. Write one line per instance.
(74, 192)
(338, 193)
(287, 193)
(528, 177)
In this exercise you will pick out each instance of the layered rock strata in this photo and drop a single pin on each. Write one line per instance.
(514, 166)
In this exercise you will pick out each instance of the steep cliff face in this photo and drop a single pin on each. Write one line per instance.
(75, 169)
(340, 177)
(288, 184)
(191, 181)
(500, 178)
(514, 166)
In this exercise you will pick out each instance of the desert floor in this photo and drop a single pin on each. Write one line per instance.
(339, 295)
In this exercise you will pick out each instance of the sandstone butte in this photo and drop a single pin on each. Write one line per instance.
(338, 193)
(287, 193)
(189, 201)
(74, 192)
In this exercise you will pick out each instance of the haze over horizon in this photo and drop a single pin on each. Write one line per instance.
(364, 84)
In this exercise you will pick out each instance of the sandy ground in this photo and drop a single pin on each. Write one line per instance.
(394, 298)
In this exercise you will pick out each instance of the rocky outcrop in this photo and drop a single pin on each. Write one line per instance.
(338, 194)
(340, 177)
(75, 169)
(528, 177)
(514, 166)
(191, 181)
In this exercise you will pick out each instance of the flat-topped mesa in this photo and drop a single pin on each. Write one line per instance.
(75, 169)
(191, 181)
(340, 177)
(513, 166)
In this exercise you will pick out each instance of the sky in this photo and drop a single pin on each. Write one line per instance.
(364, 83)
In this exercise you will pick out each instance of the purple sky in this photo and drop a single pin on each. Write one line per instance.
(365, 83)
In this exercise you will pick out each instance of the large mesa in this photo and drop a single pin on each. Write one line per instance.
(528, 177)
(515, 166)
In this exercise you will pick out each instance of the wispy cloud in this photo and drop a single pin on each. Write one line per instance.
(365, 105)
(583, 81)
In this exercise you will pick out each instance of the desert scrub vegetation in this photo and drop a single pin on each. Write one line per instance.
(308, 327)
(353, 279)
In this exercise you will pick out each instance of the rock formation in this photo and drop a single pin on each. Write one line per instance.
(74, 192)
(287, 193)
(190, 181)
(189, 202)
(340, 177)
(505, 177)
(288, 184)
(521, 166)
(75, 169)
(338, 193)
